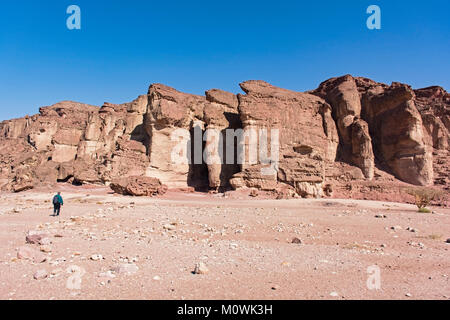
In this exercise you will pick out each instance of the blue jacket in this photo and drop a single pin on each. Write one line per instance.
(60, 199)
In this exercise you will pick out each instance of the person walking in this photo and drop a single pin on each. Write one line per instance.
(57, 203)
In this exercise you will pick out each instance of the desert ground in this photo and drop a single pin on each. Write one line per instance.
(107, 246)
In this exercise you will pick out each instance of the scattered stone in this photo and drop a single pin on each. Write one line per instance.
(28, 253)
(296, 241)
(107, 274)
(75, 268)
(40, 274)
(201, 268)
(33, 239)
(45, 241)
(125, 268)
(45, 248)
(448, 240)
(96, 257)
(415, 244)
(169, 227)
(334, 294)
(57, 271)
(395, 228)
(408, 295)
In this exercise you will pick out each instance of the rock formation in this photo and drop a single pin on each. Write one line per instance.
(355, 141)
(348, 129)
(307, 138)
(433, 105)
(138, 186)
(365, 110)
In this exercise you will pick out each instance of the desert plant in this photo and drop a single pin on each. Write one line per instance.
(423, 197)
(435, 236)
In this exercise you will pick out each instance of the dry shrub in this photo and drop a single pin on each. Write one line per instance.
(424, 195)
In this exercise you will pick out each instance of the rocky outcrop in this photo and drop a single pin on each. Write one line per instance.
(138, 186)
(355, 141)
(433, 104)
(74, 142)
(173, 121)
(297, 126)
(291, 143)
(365, 110)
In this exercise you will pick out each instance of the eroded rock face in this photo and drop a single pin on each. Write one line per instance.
(171, 123)
(307, 138)
(71, 141)
(349, 129)
(220, 114)
(397, 130)
(433, 104)
(373, 116)
(356, 143)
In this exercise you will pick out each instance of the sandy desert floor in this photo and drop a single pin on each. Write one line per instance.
(106, 246)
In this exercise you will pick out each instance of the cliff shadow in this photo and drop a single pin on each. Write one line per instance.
(198, 170)
(229, 167)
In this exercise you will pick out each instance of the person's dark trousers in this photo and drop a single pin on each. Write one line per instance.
(56, 208)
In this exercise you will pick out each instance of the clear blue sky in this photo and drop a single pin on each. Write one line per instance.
(124, 46)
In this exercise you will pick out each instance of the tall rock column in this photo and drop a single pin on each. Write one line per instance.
(398, 132)
(222, 119)
(174, 124)
(356, 144)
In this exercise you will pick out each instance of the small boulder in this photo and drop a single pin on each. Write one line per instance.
(169, 227)
(201, 268)
(40, 274)
(36, 237)
(138, 186)
(334, 294)
(45, 248)
(57, 271)
(96, 257)
(33, 239)
(27, 253)
(45, 241)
